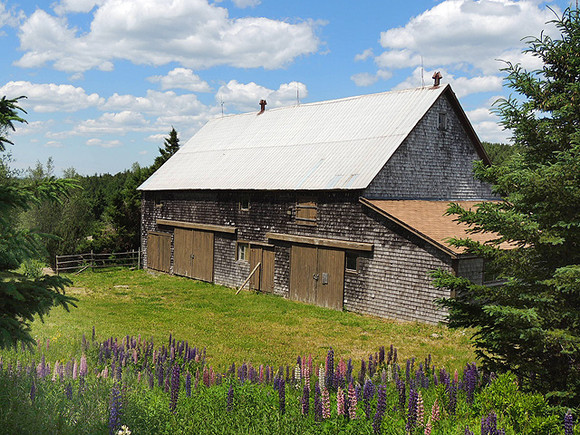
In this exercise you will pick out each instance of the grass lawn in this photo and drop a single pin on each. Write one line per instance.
(248, 327)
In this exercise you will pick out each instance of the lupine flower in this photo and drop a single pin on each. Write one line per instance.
(317, 403)
(124, 431)
(467, 431)
(420, 410)
(389, 373)
(83, 367)
(381, 408)
(188, 384)
(321, 374)
(348, 375)
(412, 410)
(282, 396)
(329, 370)
(402, 395)
(174, 388)
(340, 401)
(230, 398)
(362, 373)
(75, 372)
(352, 401)
(381, 355)
(428, 427)
(470, 377)
(435, 412)
(305, 400)
(325, 403)
(115, 410)
(568, 423)
(32, 391)
(368, 394)
(68, 391)
(297, 374)
(489, 425)
(452, 392)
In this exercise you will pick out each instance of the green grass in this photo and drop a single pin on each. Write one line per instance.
(248, 327)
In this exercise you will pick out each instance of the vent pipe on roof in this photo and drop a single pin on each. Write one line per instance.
(262, 106)
(437, 78)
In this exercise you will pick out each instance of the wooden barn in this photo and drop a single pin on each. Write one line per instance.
(339, 203)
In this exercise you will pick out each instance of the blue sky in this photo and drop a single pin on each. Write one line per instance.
(107, 79)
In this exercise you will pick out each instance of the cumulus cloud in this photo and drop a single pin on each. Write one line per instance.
(9, 17)
(364, 79)
(181, 78)
(53, 144)
(118, 123)
(246, 3)
(246, 96)
(486, 124)
(156, 103)
(95, 142)
(65, 6)
(51, 97)
(195, 34)
(364, 55)
(465, 34)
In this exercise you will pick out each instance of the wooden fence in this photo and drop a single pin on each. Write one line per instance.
(79, 262)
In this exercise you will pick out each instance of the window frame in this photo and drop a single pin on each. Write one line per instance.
(245, 248)
(306, 203)
(351, 255)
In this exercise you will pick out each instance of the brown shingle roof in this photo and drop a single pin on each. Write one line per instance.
(428, 220)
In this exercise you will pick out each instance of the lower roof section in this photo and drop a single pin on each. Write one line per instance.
(428, 220)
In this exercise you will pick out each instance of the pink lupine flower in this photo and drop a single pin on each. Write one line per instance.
(428, 427)
(135, 356)
(351, 401)
(83, 368)
(420, 410)
(435, 412)
(456, 377)
(340, 401)
(325, 403)
(75, 372)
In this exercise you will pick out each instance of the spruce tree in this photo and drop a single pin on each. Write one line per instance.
(531, 324)
(170, 147)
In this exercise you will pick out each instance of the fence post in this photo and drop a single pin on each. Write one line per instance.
(138, 258)
(92, 263)
(56, 263)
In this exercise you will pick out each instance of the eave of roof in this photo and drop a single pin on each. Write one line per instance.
(428, 220)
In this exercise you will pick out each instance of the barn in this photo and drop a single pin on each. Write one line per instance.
(337, 203)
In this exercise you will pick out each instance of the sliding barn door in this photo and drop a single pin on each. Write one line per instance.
(193, 254)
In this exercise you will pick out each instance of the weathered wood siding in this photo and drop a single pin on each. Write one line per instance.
(392, 281)
(432, 163)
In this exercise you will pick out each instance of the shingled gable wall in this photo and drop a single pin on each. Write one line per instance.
(432, 163)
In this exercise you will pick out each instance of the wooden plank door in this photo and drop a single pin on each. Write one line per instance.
(303, 268)
(159, 251)
(202, 255)
(330, 284)
(263, 278)
(182, 252)
(255, 258)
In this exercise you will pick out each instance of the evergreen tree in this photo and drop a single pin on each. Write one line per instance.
(22, 298)
(531, 324)
(171, 146)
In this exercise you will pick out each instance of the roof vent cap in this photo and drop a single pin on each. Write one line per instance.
(437, 78)
(262, 106)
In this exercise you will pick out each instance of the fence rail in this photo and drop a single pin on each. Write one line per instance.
(79, 262)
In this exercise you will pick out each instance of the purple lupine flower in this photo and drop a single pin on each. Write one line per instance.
(352, 401)
(68, 391)
(381, 355)
(32, 391)
(348, 375)
(569, 423)
(188, 384)
(282, 396)
(444, 377)
(470, 378)
(368, 394)
(329, 369)
(230, 398)
(339, 401)
(381, 408)
(402, 395)
(317, 403)
(174, 388)
(305, 400)
(115, 410)
(362, 373)
(325, 404)
(452, 392)
(467, 431)
(412, 410)
(489, 425)
(151, 381)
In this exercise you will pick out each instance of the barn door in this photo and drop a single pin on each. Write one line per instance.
(317, 276)
(159, 251)
(193, 254)
(263, 278)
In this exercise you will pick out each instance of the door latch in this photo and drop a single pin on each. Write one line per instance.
(315, 276)
(192, 256)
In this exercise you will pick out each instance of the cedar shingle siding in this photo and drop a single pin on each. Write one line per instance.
(392, 278)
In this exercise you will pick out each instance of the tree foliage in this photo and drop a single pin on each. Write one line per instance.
(22, 298)
(531, 324)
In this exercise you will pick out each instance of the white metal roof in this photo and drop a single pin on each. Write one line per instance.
(337, 144)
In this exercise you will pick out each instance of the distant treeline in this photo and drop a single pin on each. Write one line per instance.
(498, 153)
(102, 215)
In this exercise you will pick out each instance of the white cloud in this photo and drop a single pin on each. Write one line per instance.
(9, 17)
(486, 124)
(364, 79)
(95, 142)
(118, 123)
(246, 96)
(51, 97)
(53, 144)
(465, 34)
(156, 103)
(364, 55)
(246, 3)
(181, 78)
(65, 6)
(192, 33)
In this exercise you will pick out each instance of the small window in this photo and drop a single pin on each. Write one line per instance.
(306, 211)
(442, 121)
(242, 253)
(245, 203)
(351, 262)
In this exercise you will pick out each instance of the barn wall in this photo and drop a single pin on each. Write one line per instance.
(392, 281)
(432, 163)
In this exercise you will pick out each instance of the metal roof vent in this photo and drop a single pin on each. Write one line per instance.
(437, 78)
(262, 106)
